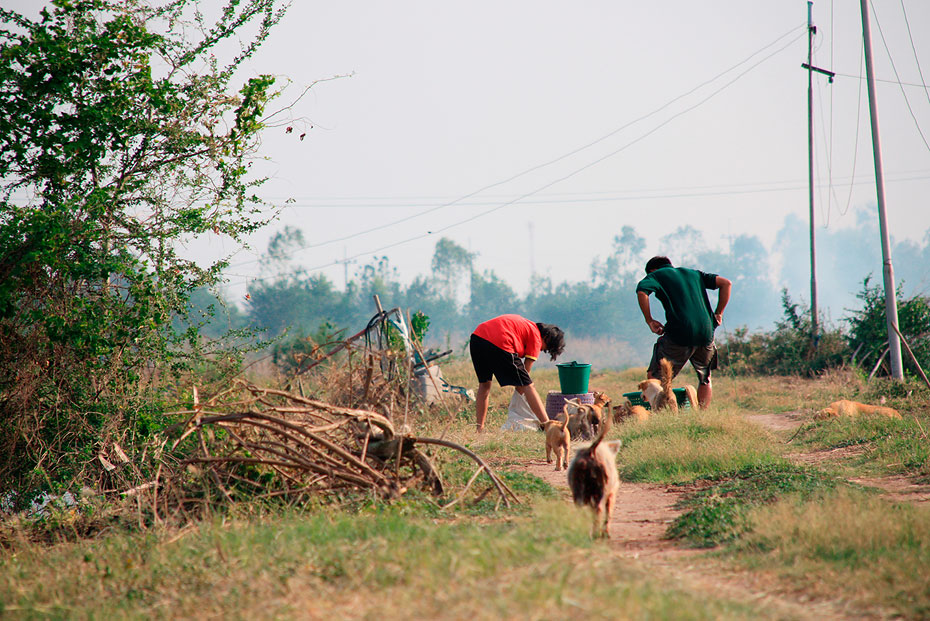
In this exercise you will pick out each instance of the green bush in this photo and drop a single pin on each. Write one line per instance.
(126, 139)
(868, 329)
(791, 349)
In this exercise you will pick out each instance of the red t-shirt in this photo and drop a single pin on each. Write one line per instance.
(512, 333)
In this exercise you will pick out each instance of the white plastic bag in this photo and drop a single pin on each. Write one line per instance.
(519, 415)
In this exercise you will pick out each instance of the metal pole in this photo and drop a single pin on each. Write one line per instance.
(891, 307)
(811, 29)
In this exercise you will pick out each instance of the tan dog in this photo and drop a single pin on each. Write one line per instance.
(577, 422)
(852, 409)
(593, 479)
(658, 392)
(558, 440)
(625, 412)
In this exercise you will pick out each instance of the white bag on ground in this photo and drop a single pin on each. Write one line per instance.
(519, 415)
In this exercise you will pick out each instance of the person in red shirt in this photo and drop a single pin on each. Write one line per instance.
(506, 348)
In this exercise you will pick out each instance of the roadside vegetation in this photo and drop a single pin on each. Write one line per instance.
(115, 353)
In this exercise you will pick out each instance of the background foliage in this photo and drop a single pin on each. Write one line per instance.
(121, 137)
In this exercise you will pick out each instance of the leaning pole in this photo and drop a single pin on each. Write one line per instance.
(891, 307)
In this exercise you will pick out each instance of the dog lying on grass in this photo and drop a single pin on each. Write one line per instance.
(594, 481)
(852, 409)
(558, 440)
(658, 392)
(627, 412)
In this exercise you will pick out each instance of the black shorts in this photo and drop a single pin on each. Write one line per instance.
(489, 359)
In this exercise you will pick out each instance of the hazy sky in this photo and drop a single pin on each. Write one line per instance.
(651, 114)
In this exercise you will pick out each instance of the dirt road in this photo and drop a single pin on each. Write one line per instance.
(642, 514)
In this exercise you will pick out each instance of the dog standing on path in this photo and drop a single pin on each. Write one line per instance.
(558, 440)
(658, 392)
(594, 481)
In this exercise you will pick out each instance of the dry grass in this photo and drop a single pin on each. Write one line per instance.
(849, 543)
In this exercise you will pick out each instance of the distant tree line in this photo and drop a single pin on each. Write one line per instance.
(456, 295)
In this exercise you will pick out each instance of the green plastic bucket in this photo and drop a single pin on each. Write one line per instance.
(573, 377)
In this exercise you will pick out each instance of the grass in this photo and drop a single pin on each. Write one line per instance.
(849, 543)
(376, 561)
(679, 448)
(719, 511)
(793, 525)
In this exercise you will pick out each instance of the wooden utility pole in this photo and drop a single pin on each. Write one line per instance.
(891, 307)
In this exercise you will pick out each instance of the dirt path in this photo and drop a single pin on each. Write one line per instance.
(644, 511)
(894, 487)
(642, 514)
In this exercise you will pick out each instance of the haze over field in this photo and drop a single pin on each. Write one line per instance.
(531, 133)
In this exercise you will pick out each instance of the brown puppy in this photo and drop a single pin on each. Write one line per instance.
(627, 412)
(658, 392)
(852, 409)
(559, 440)
(593, 479)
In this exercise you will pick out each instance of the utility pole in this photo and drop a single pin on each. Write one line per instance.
(891, 307)
(811, 31)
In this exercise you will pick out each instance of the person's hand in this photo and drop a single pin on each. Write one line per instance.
(656, 327)
(718, 319)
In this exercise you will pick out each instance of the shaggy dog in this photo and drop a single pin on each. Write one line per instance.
(593, 479)
(658, 392)
(853, 409)
(558, 440)
(626, 412)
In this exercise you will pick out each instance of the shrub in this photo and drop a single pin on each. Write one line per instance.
(791, 349)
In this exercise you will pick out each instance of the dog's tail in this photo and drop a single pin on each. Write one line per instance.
(665, 374)
(604, 426)
(666, 371)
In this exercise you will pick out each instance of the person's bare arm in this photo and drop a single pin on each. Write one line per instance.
(723, 297)
(528, 364)
(654, 325)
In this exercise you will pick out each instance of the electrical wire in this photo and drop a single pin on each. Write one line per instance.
(550, 162)
(569, 175)
(920, 72)
(898, 78)
(858, 120)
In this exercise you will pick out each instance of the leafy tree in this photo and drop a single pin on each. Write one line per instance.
(452, 265)
(684, 246)
(868, 329)
(755, 301)
(120, 137)
(490, 297)
(787, 350)
(625, 261)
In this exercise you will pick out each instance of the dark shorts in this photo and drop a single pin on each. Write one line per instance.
(489, 359)
(703, 359)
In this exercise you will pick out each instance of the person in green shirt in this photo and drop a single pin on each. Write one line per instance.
(688, 333)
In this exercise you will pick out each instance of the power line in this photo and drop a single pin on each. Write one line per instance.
(558, 159)
(914, 49)
(881, 33)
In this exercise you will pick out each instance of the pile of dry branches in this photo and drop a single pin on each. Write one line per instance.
(251, 443)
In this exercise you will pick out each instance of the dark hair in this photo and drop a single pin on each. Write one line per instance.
(656, 262)
(553, 339)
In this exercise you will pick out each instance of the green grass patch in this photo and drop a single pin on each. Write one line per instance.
(892, 446)
(718, 513)
(677, 448)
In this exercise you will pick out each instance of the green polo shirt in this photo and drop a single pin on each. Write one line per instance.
(689, 320)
